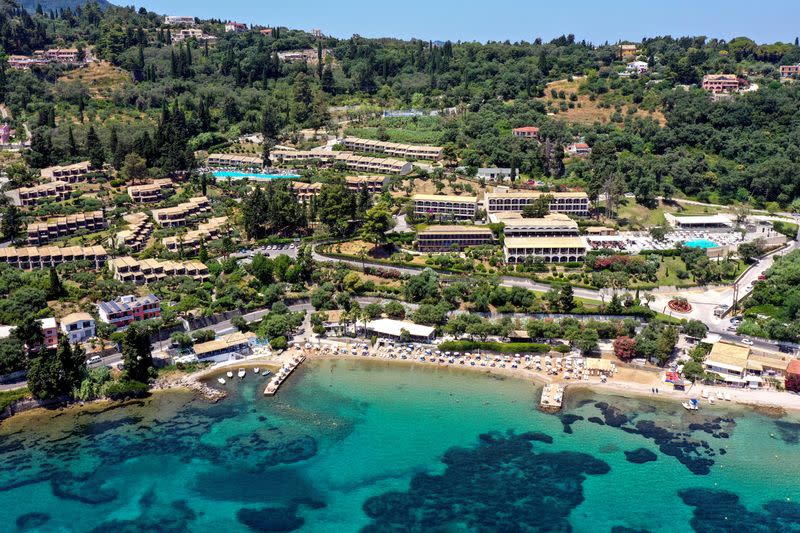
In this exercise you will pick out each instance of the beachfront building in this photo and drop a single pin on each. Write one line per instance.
(738, 366)
(173, 20)
(306, 191)
(394, 329)
(136, 235)
(130, 270)
(150, 192)
(495, 174)
(57, 191)
(551, 225)
(637, 67)
(526, 132)
(234, 161)
(33, 258)
(379, 165)
(790, 71)
(408, 151)
(578, 149)
(19, 62)
(452, 238)
(547, 249)
(225, 347)
(723, 83)
(569, 203)
(43, 232)
(443, 207)
(173, 217)
(302, 155)
(74, 173)
(235, 27)
(78, 327)
(373, 184)
(600, 231)
(717, 222)
(128, 309)
(190, 241)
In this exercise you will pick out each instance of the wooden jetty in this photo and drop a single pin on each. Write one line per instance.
(552, 398)
(281, 375)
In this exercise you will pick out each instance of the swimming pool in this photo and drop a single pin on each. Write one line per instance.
(238, 175)
(701, 243)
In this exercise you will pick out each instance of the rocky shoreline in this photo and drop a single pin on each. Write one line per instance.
(190, 382)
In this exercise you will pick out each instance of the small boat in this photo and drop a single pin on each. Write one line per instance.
(255, 370)
(242, 373)
(230, 374)
(221, 381)
(266, 373)
(691, 405)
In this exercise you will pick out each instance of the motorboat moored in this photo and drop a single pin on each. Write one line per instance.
(691, 405)
(221, 380)
(242, 373)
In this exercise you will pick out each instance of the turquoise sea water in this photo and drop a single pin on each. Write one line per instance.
(374, 446)
(235, 175)
(701, 243)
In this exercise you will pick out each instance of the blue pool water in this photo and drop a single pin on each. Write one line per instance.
(376, 447)
(229, 174)
(701, 243)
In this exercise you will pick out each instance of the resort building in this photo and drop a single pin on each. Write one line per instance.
(302, 155)
(373, 184)
(173, 217)
(570, 203)
(551, 225)
(225, 347)
(373, 164)
(190, 241)
(234, 160)
(306, 191)
(452, 238)
(723, 83)
(184, 34)
(600, 231)
(75, 173)
(526, 132)
(443, 207)
(578, 149)
(136, 235)
(130, 270)
(60, 55)
(42, 232)
(637, 67)
(739, 366)
(393, 329)
(128, 309)
(78, 327)
(495, 174)
(547, 249)
(235, 27)
(18, 62)
(408, 151)
(150, 192)
(267, 32)
(32, 258)
(790, 71)
(702, 223)
(31, 196)
(171, 20)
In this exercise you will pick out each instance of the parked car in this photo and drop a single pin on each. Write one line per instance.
(748, 342)
(93, 360)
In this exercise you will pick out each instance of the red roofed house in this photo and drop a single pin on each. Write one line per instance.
(792, 381)
(578, 149)
(723, 83)
(237, 27)
(526, 132)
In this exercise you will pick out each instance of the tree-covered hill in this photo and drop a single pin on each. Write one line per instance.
(656, 133)
(54, 5)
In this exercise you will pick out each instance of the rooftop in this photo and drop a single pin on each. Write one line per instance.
(445, 198)
(545, 242)
(446, 230)
(727, 355)
(387, 326)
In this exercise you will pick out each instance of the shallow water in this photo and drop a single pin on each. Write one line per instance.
(350, 445)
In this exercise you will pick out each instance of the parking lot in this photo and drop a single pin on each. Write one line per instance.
(270, 250)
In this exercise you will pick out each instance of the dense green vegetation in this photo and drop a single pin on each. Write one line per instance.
(773, 308)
